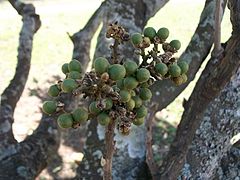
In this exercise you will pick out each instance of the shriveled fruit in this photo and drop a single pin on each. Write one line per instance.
(184, 78)
(101, 65)
(103, 119)
(75, 65)
(53, 90)
(141, 112)
(178, 80)
(163, 33)
(109, 103)
(65, 69)
(130, 67)
(176, 44)
(136, 38)
(130, 82)
(138, 121)
(149, 32)
(116, 72)
(145, 94)
(142, 75)
(49, 107)
(130, 104)
(124, 95)
(184, 66)
(68, 85)
(174, 70)
(161, 68)
(93, 109)
(80, 115)
(120, 84)
(74, 75)
(138, 101)
(105, 77)
(65, 120)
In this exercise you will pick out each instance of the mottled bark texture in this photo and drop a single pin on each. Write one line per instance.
(215, 76)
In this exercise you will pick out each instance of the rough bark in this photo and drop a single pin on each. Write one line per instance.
(213, 79)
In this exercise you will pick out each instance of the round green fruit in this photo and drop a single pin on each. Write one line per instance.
(136, 38)
(65, 120)
(125, 96)
(176, 44)
(101, 65)
(144, 85)
(130, 104)
(74, 75)
(68, 85)
(138, 101)
(142, 75)
(178, 80)
(103, 119)
(141, 112)
(49, 107)
(80, 115)
(109, 103)
(65, 69)
(138, 121)
(116, 72)
(53, 90)
(174, 70)
(163, 33)
(130, 82)
(184, 78)
(161, 68)
(93, 109)
(75, 65)
(145, 94)
(130, 67)
(184, 66)
(149, 32)
(120, 84)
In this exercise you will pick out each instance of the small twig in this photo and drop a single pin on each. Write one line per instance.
(115, 52)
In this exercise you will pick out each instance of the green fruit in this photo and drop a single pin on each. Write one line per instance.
(136, 38)
(130, 83)
(53, 90)
(130, 104)
(138, 101)
(174, 70)
(149, 32)
(141, 112)
(74, 75)
(65, 69)
(184, 78)
(138, 121)
(116, 72)
(125, 96)
(145, 94)
(144, 85)
(133, 93)
(49, 107)
(103, 119)
(109, 103)
(101, 65)
(161, 68)
(75, 65)
(184, 66)
(68, 85)
(163, 33)
(93, 109)
(120, 84)
(175, 44)
(80, 115)
(65, 121)
(142, 75)
(178, 80)
(130, 67)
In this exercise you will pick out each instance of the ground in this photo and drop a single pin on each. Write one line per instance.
(52, 48)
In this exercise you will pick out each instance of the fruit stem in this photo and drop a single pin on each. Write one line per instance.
(115, 52)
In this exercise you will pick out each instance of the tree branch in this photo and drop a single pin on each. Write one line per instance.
(153, 6)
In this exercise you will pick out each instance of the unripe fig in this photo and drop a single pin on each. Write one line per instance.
(136, 38)
(65, 69)
(125, 96)
(176, 44)
(184, 66)
(116, 72)
(130, 67)
(138, 121)
(65, 120)
(130, 82)
(149, 32)
(53, 90)
(178, 80)
(174, 70)
(101, 65)
(138, 101)
(130, 104)
(93, 109)
(144, 85)
(103, 119)
(120, 84)
(109, 103)
(49, 107)
(161, 68)
(141, 112)
(184, 78)
(75, 65)
(142, 75)
(74, 75)
(163, 33)
(80, 115)
(68, 85)
(145, 94)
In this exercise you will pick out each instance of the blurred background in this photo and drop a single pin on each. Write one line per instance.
(52, 47)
